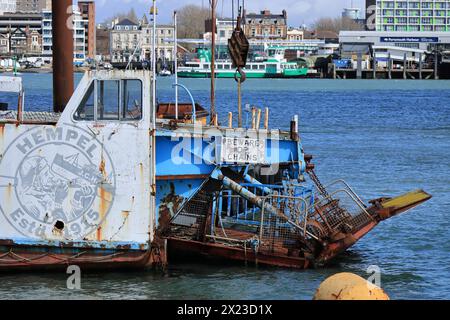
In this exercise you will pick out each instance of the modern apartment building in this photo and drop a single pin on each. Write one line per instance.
(80, 24)
(409, 15)
(7, 6)
(47, 42)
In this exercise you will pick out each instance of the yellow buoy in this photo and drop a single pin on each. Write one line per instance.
(349, 286)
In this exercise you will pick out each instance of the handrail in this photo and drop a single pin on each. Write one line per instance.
(190, 96)
(329, 197)
(348, 187)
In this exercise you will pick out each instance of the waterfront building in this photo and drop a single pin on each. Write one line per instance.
(408, 15)
(103, 42)
(224, 29)
(265, 25)
(47, 42)
(33, 5)
(4, 44)
(164, 48)
(12, 21)
(128, 38)
(294, 34)
(79, 37)
(351, 13)
(81, 31)
(425, 41)
(125, 39)
(7, 6)
(327, 36)
(87, 11)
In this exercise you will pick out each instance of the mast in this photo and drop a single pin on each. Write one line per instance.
(154, 12)
(213, 59)
(63, 84)
(175, 62)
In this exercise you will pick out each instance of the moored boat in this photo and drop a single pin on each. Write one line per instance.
(114, 180)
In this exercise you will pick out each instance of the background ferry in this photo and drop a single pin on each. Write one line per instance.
(273, 66)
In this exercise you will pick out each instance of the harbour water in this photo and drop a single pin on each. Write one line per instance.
(383, 137)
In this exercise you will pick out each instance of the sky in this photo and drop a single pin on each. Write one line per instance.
(299, 11)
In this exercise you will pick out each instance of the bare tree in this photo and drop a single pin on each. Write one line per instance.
(191, 21)
(337, 24)
(131, 15)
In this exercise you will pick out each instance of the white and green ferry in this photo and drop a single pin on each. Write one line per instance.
(275, 66)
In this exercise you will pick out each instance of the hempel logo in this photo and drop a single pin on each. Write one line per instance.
(52, 186)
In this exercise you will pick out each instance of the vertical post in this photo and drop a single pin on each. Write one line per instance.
(239, 104)
(175, 59)
(213, 57)
(389, 66)
(359, 66)
(420, 66)
(253, 118)
(294, 128)
(266, 119)
(230, 120)
(62, 30)
(405, 66)
(374, 65)
(436, 70)
(154, 63)
(258, 119)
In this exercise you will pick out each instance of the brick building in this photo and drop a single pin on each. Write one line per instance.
(266, 25)
(87, 11)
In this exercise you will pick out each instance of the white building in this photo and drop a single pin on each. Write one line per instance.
(295, 35)
(7, 6)
(164, 48)
(125, 40)
(47, 42)
(79, 43)
(128, 38)
(351, 13)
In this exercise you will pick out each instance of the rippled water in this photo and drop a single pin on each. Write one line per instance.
(384, 137)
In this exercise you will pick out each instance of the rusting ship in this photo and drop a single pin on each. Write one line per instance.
(112, 181)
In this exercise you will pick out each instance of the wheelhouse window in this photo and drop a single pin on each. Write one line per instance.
(111, 100)
(108, 100)
(86, 109)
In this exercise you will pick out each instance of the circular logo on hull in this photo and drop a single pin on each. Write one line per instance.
(56, 183)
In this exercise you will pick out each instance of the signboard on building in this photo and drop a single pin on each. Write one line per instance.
(410, 39)
(242, 150)
(371, 13)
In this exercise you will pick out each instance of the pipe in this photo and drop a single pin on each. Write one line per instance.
(252, 180)
(62, 34)
(192, 100)
(246, 194)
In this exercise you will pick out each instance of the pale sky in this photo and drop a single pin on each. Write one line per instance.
(299, 11)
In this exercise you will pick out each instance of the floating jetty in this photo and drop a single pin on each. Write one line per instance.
(112, 180)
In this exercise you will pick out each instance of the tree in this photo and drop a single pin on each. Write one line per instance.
(131, 15)
(191, 21)
(337, 24)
